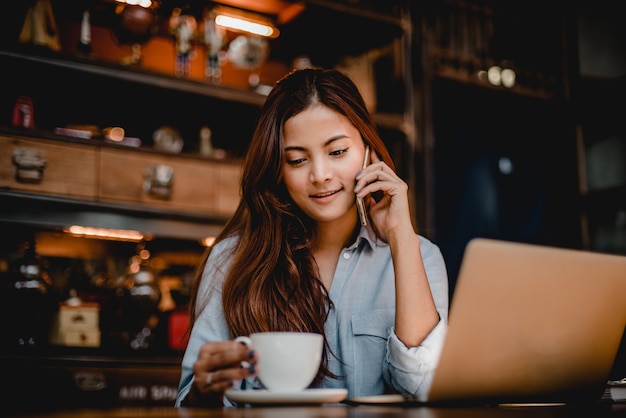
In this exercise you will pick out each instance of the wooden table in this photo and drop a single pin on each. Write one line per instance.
(363, 411)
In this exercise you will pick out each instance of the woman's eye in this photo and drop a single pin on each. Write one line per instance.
(338, 152)
(296, 161)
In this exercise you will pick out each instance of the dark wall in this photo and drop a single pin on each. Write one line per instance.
(505, 168)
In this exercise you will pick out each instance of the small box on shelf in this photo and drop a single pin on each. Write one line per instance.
(76, 325)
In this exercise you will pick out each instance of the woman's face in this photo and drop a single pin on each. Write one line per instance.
(323, 154)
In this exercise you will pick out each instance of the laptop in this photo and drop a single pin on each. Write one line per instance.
(530, 323)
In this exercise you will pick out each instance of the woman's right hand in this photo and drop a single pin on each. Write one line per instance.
(220, 365)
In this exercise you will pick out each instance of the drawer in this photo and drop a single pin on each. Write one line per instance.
(71, 317)
(170, 182)
(48, 167)
(78, 338)
(230, 188)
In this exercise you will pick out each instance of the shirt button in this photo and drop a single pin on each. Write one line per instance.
(346, 255)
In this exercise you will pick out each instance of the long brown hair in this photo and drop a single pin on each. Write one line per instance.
(273, 282)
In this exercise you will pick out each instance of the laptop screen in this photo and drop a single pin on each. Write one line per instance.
(531, 323)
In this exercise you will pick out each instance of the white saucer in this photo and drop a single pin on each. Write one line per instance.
(379, 399)
(309, 396)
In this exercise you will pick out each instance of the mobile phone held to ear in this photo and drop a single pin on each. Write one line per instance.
(359, 201)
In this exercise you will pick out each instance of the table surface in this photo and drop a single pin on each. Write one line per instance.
(365, 411)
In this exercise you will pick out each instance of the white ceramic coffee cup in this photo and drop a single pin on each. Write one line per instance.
(287, 361)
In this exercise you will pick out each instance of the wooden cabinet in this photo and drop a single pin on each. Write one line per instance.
(229, 188)
(107, 175)
(72, 383)
(169, 182)
(48, 167)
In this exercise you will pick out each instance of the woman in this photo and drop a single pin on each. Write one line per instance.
(295, 257)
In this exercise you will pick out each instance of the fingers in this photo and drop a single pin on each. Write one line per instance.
(374, 158)
(214, 383)
(223, 354)
(217, 381)
(219, 365)
(209, 378)
(378, 176)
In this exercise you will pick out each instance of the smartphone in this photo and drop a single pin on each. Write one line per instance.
(359, 201)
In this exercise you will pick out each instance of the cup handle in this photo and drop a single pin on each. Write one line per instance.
(244, 340)
(247, 342)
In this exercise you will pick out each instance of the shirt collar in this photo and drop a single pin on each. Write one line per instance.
(368, 236)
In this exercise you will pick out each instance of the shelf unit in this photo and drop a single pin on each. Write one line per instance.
(498, 161)
(602, 139)
(68, 89)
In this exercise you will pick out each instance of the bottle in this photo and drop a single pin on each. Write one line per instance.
(141, 312)
(206, 144)
(28, 302)
(84, 43)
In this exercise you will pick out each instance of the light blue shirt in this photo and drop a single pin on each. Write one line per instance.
(370, 359)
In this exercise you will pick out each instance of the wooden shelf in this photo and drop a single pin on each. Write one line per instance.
(141, 76)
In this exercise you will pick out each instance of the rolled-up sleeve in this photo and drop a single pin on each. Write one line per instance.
(411, 369)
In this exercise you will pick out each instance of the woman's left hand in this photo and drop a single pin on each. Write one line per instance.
(392, 210)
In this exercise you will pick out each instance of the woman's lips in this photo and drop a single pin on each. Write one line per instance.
(324, 195)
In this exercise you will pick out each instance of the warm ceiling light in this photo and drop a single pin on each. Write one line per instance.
(236, 23)
(240, 20)
(508, 77)
(142, 3)
(494, 75)
(105, 233)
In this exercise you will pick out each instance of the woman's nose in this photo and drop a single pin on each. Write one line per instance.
(320, 171)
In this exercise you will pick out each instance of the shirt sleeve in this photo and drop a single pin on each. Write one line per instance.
(210, 324)
(411, 369)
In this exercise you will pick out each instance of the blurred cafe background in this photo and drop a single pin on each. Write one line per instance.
(123, 125)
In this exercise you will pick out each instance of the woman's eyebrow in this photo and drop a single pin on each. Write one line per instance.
(293, 148)
(328, 142)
